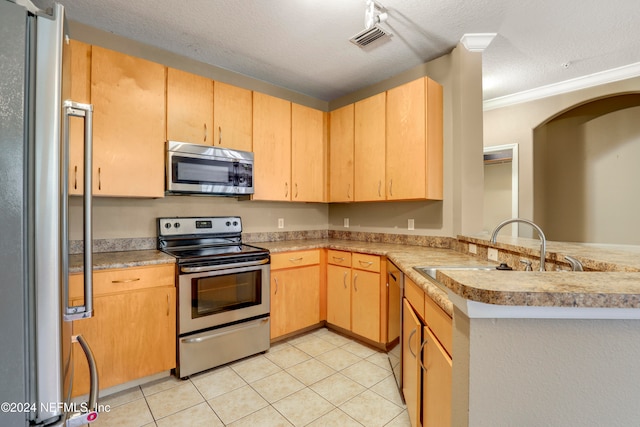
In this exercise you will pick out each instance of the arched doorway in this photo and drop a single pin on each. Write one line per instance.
(586, 166)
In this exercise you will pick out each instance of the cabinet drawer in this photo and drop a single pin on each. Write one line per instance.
(366, 262)
(439, 322)
(415, 295)
(295, 259)
(123, 279)
(339, 258)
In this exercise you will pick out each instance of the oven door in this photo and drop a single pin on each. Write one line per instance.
(212, 296)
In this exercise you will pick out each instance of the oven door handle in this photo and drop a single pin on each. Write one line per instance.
(223, 266)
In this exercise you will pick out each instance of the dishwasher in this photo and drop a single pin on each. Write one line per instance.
(395, 288)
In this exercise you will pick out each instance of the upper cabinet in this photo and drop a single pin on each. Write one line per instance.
(128, 97)
(341, 131)
(271, 147)
(189, 107)
(232, 115)
(308, 154)
(406, 148)
(369, 149)
(80, 91)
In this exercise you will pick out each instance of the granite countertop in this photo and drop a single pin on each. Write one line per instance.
(618, 286)
(123, 259)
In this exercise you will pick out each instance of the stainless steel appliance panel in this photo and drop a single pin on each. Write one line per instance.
(203, 169)
(395, 282)
(208, 349)
(199, 309)
(36, 341)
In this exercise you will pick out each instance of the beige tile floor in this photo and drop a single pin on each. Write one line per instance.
(317, 379)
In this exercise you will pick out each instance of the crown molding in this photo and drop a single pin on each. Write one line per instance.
(477, 42)
(596, 79)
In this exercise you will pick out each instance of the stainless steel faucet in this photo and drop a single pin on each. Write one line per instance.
(543, 239)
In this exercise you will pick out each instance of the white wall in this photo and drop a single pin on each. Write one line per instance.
(497, 194)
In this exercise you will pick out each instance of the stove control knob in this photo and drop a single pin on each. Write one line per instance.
(227, 223)
(176, 225)
(167, 225)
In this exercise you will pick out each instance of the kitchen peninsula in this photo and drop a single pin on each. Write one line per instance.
(531, 348)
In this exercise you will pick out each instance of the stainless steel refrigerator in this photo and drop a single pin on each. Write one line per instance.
(35, 322)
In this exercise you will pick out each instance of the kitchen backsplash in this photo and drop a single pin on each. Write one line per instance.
(146, 243)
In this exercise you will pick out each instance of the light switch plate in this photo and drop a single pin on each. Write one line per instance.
(411, 225)
(280, 222)
(473, 249)
(492, 254)
(346, 223)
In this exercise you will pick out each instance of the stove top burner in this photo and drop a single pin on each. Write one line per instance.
(205, 239)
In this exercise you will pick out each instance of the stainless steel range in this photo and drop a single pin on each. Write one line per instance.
(223, 291)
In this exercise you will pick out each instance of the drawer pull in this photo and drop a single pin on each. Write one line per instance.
(126, 280)
(344, 280)
(335, 258)
(296, 259)
(365, 263)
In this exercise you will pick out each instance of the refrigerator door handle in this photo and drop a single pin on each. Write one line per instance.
(75, 109)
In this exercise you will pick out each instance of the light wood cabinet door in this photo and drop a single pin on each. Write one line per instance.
(406, 146)
(369, 148)
(341, 134)
(295, 299)
(128, 97)
(339, 296)
(232, 115)
(132, 335)
(271, 147)
(80, 91)
(434, 139)
(189, 107)
(411, 370)
(365, 304)
(436, 384)
(308, 154)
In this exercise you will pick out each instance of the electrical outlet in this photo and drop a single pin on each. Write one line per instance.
(411, 225)
(346, 223)
(280, 222)
(492, 254)
(473, 249)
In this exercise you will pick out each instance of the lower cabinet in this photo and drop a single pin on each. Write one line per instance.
(295, 291)
(436, 382)
(411, 371)
(354, 294)
(133, 331)
(426, 360)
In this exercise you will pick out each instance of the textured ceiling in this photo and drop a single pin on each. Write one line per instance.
(303, 45)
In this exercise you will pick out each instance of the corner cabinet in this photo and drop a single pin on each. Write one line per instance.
(295, 291)
(128, 97)
(132, 333)
(355, 292)
(369, 149)
(341, 133)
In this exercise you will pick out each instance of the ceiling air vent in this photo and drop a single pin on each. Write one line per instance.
(368, 36)
(374, 14)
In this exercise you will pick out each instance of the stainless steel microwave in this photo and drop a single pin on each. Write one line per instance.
(204, 169)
